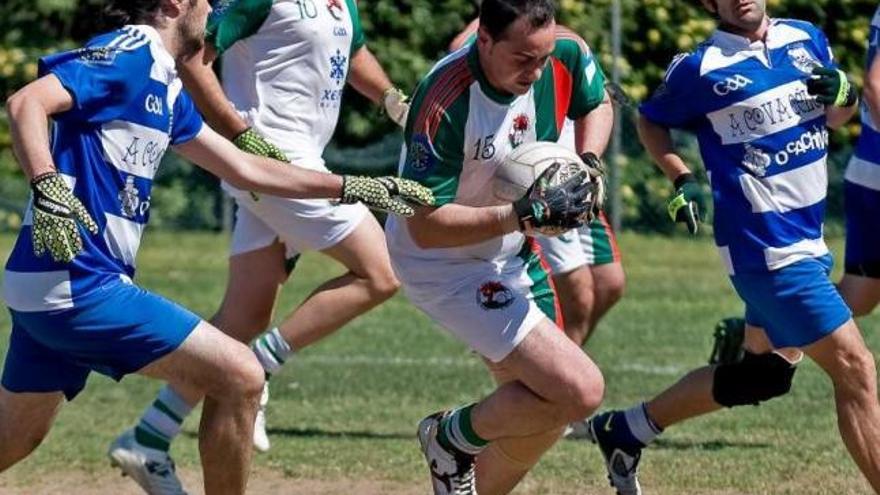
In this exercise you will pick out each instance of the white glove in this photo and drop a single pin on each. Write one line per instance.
(396, 105)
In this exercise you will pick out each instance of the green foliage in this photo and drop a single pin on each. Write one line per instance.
(408, 36)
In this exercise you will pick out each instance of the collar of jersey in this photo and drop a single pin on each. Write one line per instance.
(161, 55)
(493, 94)
(730, 41)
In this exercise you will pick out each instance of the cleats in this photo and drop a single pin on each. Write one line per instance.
(452, 472)
(152, 469)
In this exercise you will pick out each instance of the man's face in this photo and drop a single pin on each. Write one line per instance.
(191, 27)
(745, 16)
(516, 60)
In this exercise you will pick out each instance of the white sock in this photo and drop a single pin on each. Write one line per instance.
(271, 350)
(640, 425)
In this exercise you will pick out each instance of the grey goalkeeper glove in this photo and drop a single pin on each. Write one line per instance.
(396, 105)
(390, 194)
(552, 209)
(597, 171)
(56, 212)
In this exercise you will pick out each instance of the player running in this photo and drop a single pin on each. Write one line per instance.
(284, 69)
(860, 285)
(467, 263)
(758, 94)
(117, 105)
(585, 263)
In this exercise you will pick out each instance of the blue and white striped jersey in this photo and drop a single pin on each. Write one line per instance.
(128, 108)
(762, 139)
(864, 167)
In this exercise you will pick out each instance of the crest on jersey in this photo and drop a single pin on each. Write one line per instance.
(129, 199)
(521, 124)
(420, 158)
(97, 55)
(494, 295)
(337, 67)
(755, 160)
(802, 59)
(335, 9)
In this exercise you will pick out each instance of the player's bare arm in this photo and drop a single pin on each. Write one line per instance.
(454, 225)
(593, 130)
(205, 89)
(367, 76)
(370, 80)
(838, 116)
(658, 141)
(29, 110)
(216, 154)
(871, 91)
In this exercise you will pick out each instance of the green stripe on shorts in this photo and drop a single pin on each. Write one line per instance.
(542, 291)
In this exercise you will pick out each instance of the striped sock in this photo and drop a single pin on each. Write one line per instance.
(457, 432)
(271, 350)
(161, 422)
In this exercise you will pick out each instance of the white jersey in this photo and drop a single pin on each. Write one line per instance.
(460, 129)
(285, 64)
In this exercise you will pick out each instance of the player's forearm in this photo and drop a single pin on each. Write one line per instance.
(29, 110)
(657, 140)
(455, 225)
(593, 131)
(205, 89)
(367, 76)
(837, 116)
(871, 92)
(267, 176)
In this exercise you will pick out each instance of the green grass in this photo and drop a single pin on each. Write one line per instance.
(347, 406)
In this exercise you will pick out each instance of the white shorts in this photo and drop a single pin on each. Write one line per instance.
(594, 244)
(301, 224)
(490, 308)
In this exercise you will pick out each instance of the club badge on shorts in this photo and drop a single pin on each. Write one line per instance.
(494, 295)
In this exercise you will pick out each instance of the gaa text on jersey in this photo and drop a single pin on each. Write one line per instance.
(731, 84)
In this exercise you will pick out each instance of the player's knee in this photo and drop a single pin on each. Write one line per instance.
(612, 289)
(244, 378)
(855, 372)
(586, 396)
(754, 379)
(383, 285)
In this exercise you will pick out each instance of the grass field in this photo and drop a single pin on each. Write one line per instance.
(342, 415)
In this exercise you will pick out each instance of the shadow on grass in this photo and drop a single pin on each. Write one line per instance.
(319, 433)
(667, 444)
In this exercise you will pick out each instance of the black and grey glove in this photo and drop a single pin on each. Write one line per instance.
(598, 172)
(56, 212)
(552, 209)
(391, 194)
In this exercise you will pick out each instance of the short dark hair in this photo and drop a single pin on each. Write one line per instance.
(497, 15)
(121, 12)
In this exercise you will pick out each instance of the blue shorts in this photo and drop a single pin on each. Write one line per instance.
(797, 305)
(115, 330)
(862, 230)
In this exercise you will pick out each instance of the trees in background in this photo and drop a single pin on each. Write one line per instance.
(408, 36)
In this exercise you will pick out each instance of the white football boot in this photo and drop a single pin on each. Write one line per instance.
(261, 439)
(452, 473)
(152, 469)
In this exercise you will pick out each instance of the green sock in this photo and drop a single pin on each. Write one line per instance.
(457, 432)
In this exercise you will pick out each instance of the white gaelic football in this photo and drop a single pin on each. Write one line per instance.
(523, 165)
